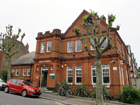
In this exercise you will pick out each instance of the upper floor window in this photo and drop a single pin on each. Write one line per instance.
(78, 46)
(51, 67)
(17, 72)
(70, 46)
(43, 44)
(49, 45)
(104, 44)
(92, 41)
(24, 72)
(69, 74)
(78, 77)
(93, 68)
(28, 72)
(106, 74)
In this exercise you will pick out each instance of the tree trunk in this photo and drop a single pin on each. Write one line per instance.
(99, 88)
(9, 70)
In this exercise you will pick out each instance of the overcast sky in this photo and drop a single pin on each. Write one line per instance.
(34, 16)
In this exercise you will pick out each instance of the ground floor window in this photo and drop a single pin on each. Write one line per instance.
(17, 70)
(24, 72)
(69, 74)
(13, 72)
(105, 74)
(28, 72)
(78, 77)
(93, 74)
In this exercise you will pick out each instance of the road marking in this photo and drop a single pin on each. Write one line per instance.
(59, 103)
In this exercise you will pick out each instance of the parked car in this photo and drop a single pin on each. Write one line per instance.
(22, 87)
(2, 84)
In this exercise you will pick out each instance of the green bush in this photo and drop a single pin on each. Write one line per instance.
(130, 95)
(3, 75)
(81, 90)
(64, 85)
(106, 94)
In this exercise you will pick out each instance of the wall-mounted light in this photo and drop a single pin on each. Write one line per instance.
(62, 66)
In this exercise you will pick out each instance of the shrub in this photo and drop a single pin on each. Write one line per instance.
(106, 95)
(65, 85)
(81, 90)
(3, 75)
(130, 95)
(57, 87)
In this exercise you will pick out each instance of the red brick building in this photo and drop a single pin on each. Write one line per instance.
(61, 57)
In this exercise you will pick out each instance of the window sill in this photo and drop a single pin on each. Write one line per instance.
(78, 84)
(70, 83)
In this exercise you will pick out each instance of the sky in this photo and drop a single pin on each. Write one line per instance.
(34, 16)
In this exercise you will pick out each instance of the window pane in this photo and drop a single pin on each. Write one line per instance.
(105, 79)
(79, 80)
(78, 45)
(69, 79)
(19, 82)
(13, 81)
(43, 44)
(94, 79)
(49, 45)
(104, 43)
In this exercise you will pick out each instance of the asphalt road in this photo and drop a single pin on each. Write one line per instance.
(16, 99)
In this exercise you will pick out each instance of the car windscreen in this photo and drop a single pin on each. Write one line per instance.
(27, 83)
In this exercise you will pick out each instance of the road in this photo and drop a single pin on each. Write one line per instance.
(16, 99)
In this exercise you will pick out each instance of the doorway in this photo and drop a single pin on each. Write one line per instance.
(43, 76)
(44, 79)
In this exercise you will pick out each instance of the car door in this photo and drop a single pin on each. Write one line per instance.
(19, 86)
(12, 85)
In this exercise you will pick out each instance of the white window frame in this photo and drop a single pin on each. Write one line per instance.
(24, 72)
(69, 45)
(93, 67)
(103, 42)
(28, 70)
(49, 44)
(78, 76)
(51, 67)
(17, 71)
(13, 72)
(106, 67)
(78, 41)
(92, 48)
(43, 45)
(69, 69)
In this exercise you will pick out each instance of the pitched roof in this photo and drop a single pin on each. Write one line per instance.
(78, 22)
(25, 59)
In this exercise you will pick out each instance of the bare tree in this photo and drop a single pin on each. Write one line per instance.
(8, 43)
(96, 40)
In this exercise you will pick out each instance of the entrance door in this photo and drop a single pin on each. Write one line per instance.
(43, 76)
(44, 82)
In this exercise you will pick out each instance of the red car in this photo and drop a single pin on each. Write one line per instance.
(22, 87)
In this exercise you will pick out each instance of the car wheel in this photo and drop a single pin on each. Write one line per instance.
(6, 90)
(24, 93)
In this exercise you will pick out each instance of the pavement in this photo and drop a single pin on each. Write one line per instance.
(74, 100)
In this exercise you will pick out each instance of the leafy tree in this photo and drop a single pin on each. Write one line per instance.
(96, 41)
(8, 43)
